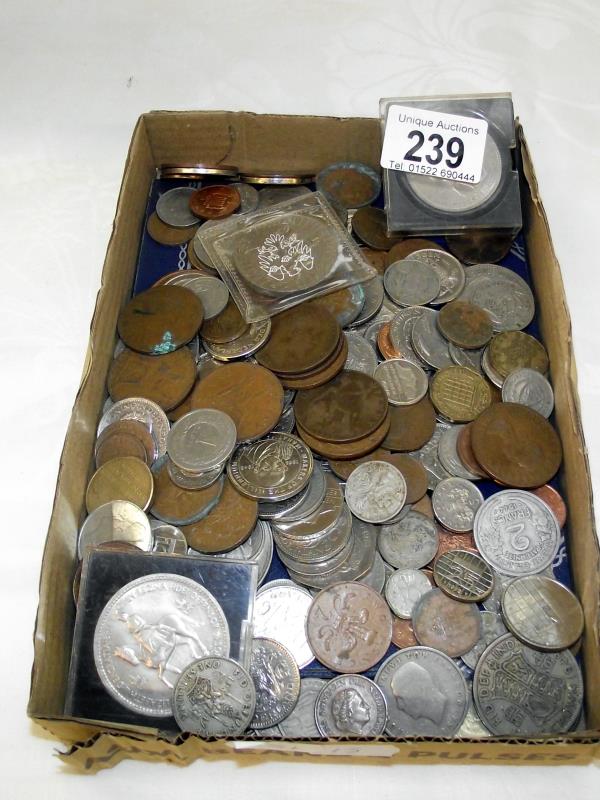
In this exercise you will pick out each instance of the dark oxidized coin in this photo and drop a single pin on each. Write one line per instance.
(411, 426)
(369, 224)
(351, 184)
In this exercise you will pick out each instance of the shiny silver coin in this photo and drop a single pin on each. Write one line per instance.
(301, 724)
(310, 499)
(403, 589)
(351, 705)
(249, 197)
(201, 440)
(361, 355)
(326, 513)
(529, 388)
(425, 692)
(148, 633)
(374, 294)
(287, 421)
(523, 692)
(488, 370)
(448, 454)
(167, 538)
(449, 270)
(489, 285)
(375, 491)
(280, 613)
(491, 628)
(404, 382)
(542, 613)
(463, 575)
(173, 207)
(141, 410)
(117, 521)
(428, 455)
(276, 680)
(198, 480)
(428, 343)
(212, 292)
(455, 502)
(314, 554)
(376, 576)
(245, 345)
(214, 697)
(410, 543)
(272, 469)
(466, 358)
(411, 283)
(516, 533)
(401, 328)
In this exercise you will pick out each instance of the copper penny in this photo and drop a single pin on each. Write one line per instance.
(227, 526)
(352, 185)
(424, 506)
(183, 408)
(407, 247)
(415, 474)
(480, 247)
(349, 627)
(384, 343)
(160, 320)
(168, 234)
(454, 541)
(226, 326)
(349, 407)
(369, 224)
(465, 324)
(250, 394)
(446, 624)
(516, 446)
(411, 426)
(215, 202)
(402, 633)
(164, 379)
(465, 452)
(349, 450)
(459, 393)
(124, 478)
(125, 437)
(376, 258)
(554, 502)
(300, 340)
(343, 469)
(179, 506)
(513, 350)
(322, 374)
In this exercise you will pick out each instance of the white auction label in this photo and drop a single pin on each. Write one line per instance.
(425, 142)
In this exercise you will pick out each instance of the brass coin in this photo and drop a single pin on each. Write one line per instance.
(459, 393)
(322, 374)
(215, 202)
(411, 426)
(125, 478)
(446, 624)
(168, 234)
(227, 526)
(190, 171)
(125, 437)
(407, 247)
(384, 343)
(465, 324)
(274, 178)
(376, 258)
(301, 340)
(179, 506)
(554, 502)
(463, 575)
(164, 379)
(346, 450)
(251, 395)
(160, 320)
(369, 224)
(349, 407)
(343, 469)
(480, 247)
(454, 541)
(414, 473)
(516, 446)
(226, 326)
(513, 350)
(465, 452)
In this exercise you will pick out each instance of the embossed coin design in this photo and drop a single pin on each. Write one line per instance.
(448, 269)
(409, 543)
(489, 285)
(455, 502)
(271, 469)
(402, 590)
(201, 440)
(376, 491)
(446, 624)
(173, 207)
(513, 350)
(226, 526)
(427, 341)
(351, 705)
(301, 722)
(404, 382)
(276, 680)
(529, 388)
(214, 202)
(463, 575)
(459, 393)
(411, 283)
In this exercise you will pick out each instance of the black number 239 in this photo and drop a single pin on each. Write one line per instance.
(455, 149)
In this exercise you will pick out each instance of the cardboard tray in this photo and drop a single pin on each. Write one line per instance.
(304, 144)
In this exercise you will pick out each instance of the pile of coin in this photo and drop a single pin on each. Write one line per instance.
(382, 453)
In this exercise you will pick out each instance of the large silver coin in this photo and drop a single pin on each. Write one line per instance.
(425, 692)
(147, 634)
(351, 705)
(516, 532)
(410, 543)
(523, 692)
(117, 521)
(276, 680)
(201, 440)
(502, 293)
(403, 589)
(455, 502)
(269, 511)
(411, 283)
(272, 469)
(301, 722)
(173, 207)
(167, 538)
(529, 388)
(449, 270)
(141, 410)
(375, 491)
(280, 613)
(404, 382)
(448, 454)
(491, 628)
(214, 697)
(361, 355)
(428, 343)
(245, 345)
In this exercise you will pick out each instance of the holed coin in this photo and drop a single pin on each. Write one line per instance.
(351, 705)
(463, 575)
(375, 491)
(276, 680)
(446, 624)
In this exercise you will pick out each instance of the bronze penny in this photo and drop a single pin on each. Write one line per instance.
(411, 426)
(384, 343)
(227, 526)
(554, 502)
(446, 624)
(168, 234)
(124, 478)
(183, 408)
(164, 379)
(323, 374)
(343, 469)
(300, 340)
(376, 258)
(369, 224)
(215, 202)
(407, 247)
(125, 437)
(349, 407)
(196, 263)
(480, 247)
(516, 446)
(465, 324)
(226, 326)
(424, 506)
(250, 394)
(513, 350)
(346, 450)
(179, 506)
(351, 185)
(402, 633)
(454, 541)
(415, 474)
(465, 452)
(459, 393)
(160, 320)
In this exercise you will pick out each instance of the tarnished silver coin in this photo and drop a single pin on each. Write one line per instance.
(444, 623)
(301, 723)
(502, 293)
(411, 283)
(410, 543)
(404, 382)
(401, 328)
(449, 270)
(268, 510)
(516, 532)
(463, 575)
(280, 614)
(276, 680)
(141, 410)
(472, 727)
(425, 692)
(542, 613)
(428, 455)
(448, 454)
(324, 515)
(173, 207)
(214, 697)
(520, 691)
(117, 521)
(493, 602)
(310, 555)
(310, 499)
(245, 345)
(361, 355)
(466, 358)
(212, 292)
(529, 388)
(403, 588)
(428, 343)
(375, 491)
(201, 440)
(272, 469)
(249, 197)
(491, 628)
(351, 705)
(376, 576)
(455, 502)
(374, 294)
(193, 480)
(168, 538)
(148, 633)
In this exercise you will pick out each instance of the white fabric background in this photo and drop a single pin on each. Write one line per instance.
(74, 77)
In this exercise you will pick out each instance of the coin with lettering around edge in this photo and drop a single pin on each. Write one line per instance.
(459, 393)
(141, 409)
(411, 282)
(351, 705)
(375, 491)
(404, 382)
(276, 680)
(455, 502)
(214, 202)
(201, 440)
(529, 388)
(409, 543)
(463, 575)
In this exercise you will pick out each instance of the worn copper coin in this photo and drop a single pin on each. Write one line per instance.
(516, 446)
(351, 406)
(346, 450)
(384, 343)
(168, 234)
(227, 526)
(166, 380)
(465, 324)
(125, 437)
(226, 326)
(344, 468)
(511, 350)
(369, 224)
(215, 202)
(251, 395)
(407, 247)
(349, 627)
(183, 408)
(446, 624)
(415, 475)
(459, 393)
(180, 506)
(424, 506)
(554, 502)
(324, 373)
(463, 575)
(402, 633)
(480, 247)
(160, 320)
(351, 184)
(411, 426)
(465, 452)
(125, 478)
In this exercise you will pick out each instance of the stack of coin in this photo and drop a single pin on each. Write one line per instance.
(198, 446)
